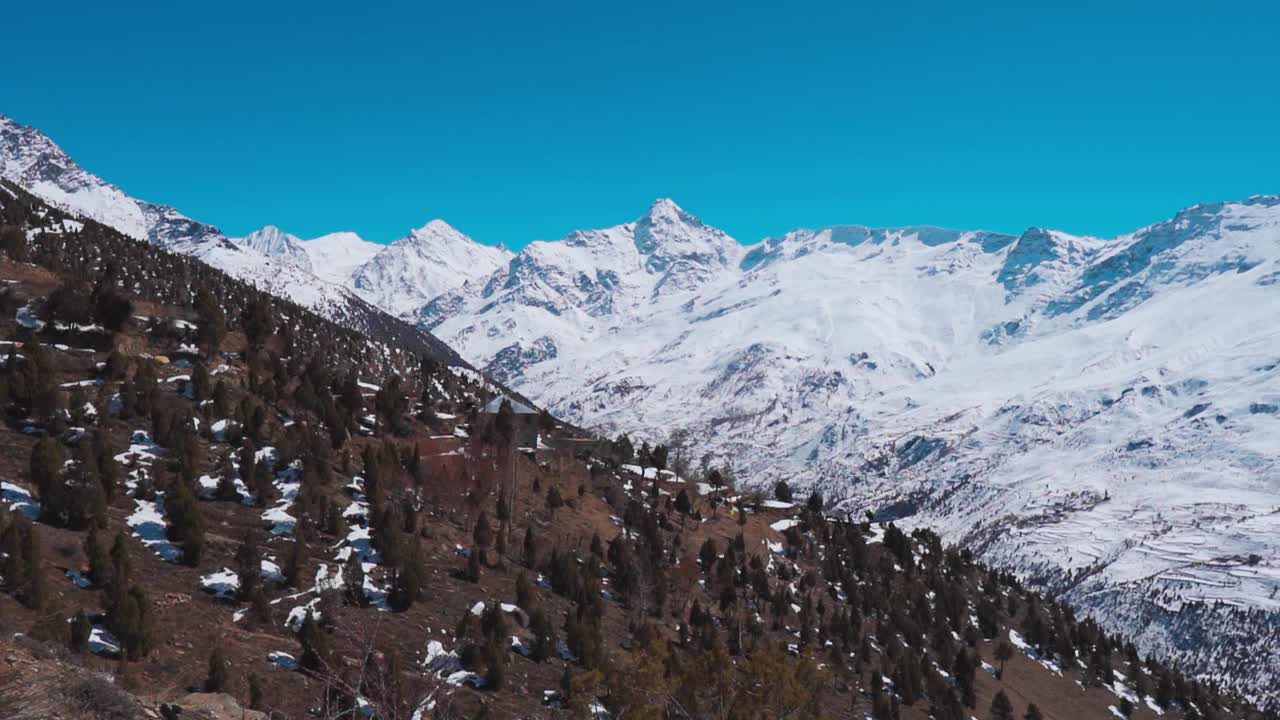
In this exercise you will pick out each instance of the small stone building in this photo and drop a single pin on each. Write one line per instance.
(526, 419)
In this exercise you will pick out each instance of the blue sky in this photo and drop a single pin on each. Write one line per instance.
(517, 121)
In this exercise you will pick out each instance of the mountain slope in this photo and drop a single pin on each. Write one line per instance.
(269, 259)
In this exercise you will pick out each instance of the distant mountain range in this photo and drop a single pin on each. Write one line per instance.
(1101, 416)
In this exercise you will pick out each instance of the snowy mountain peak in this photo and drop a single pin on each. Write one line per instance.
(335, 257)
(667, 208)
(270, 238)
(273, 241)
(682, 249)
(434, 232)
(668, 226)
(429, 261)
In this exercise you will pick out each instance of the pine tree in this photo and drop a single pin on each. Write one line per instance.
(530, 548)
(297, 563)
(543, 635)
(815, 503)
(81, 629)
(200, 381)
(407, 588)
(353, 580)
(216, 679)
(130, 619)
(121, 567)
(46, 475)
(964, 670)
(1004, 653)
(524, 592)
(683, 506)
(257, 692)
(707, 554)
(34, 591)
(1164, 691)
(111, 310)
(227, 490)
(483, 534)
(315, 646)
(13, 243)
(99, 560)
(248, 560)
(1001, 708)
(782, 491)
(554, 501)
(108, 468)
(186, 527)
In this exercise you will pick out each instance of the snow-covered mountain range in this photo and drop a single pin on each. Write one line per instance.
(400, 277)
(1099, 415)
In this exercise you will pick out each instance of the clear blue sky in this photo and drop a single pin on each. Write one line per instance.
(523, 120)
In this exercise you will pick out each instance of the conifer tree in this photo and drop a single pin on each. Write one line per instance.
(216, 679)
(473, 565)
(407, 587)
(683, 506)
(111, 310)
(248, 560)
(46, 474)
(13, 243)
(554, 501)
(35, 590)
(524, 592)
(121, 567)
(782, 491)
(108, 468)
(482, 534)
(99, 559)
(81, 629)
(315, 645)
(1004, 653)
(353, 580)
(1001, 708)
(200, 381)
(530, 548)
(186, 527)
(130, 619)
(297, 564)
(257, 692)
(227, 490)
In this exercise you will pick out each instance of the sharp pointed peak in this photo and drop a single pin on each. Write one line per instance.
(666, 207)
(434, 228)
(269, 229)
(439, 224)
